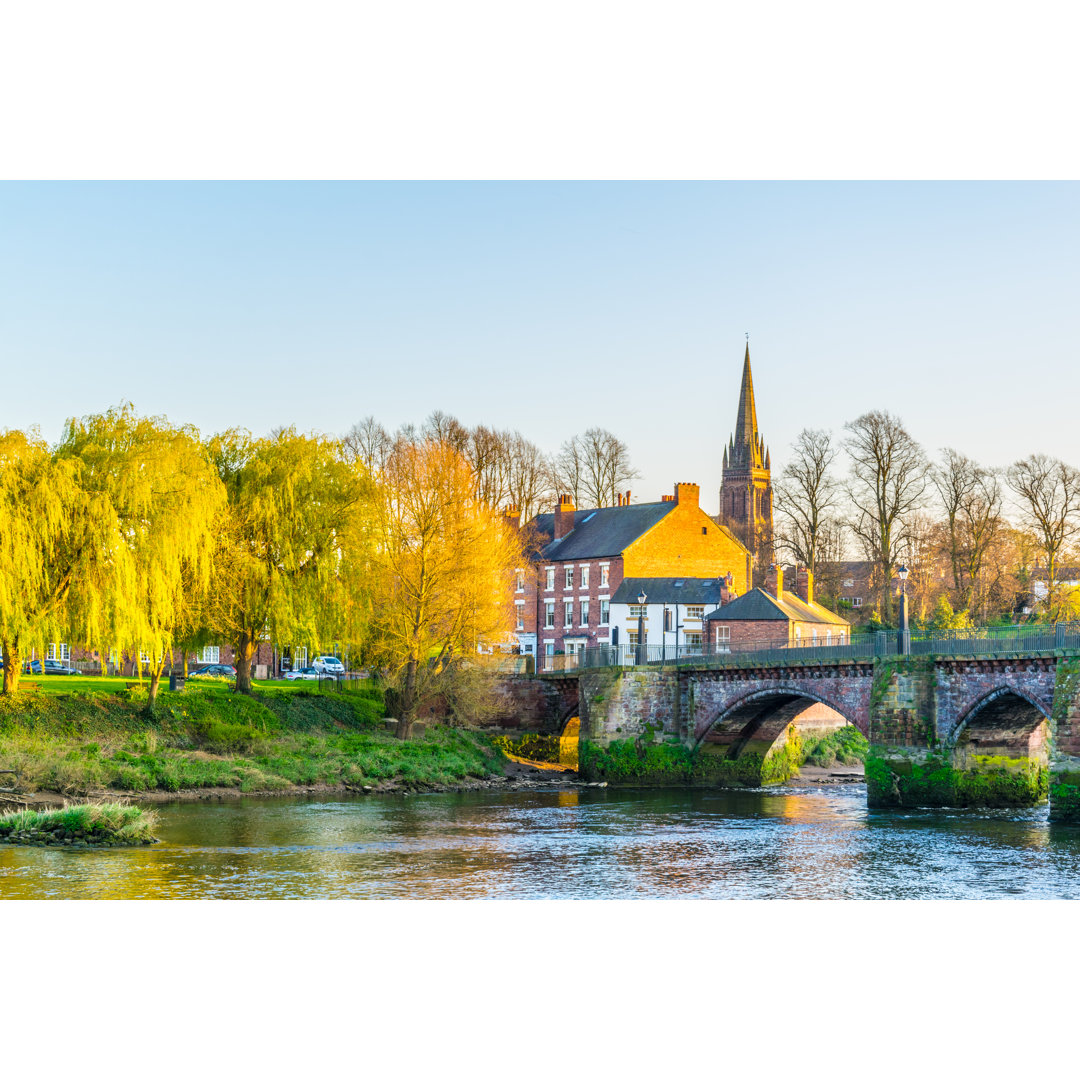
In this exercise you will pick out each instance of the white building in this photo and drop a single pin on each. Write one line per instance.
(674, 611)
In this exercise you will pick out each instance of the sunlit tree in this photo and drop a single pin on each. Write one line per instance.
(63, 567)
(168, 500)
(444, 565)
(290, 562)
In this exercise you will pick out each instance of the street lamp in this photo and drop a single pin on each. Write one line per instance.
(903, 635)
(641, 627)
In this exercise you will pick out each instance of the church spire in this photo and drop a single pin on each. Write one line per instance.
(746, 429)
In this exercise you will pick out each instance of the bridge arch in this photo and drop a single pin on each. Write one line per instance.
(749, 738)
(1005, 723)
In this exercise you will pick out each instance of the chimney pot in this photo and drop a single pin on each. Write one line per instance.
(564, 517)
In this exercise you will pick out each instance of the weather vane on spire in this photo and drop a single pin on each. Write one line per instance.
(747, 337)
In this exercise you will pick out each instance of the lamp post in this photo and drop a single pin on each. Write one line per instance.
(641, 627)
(903, 635)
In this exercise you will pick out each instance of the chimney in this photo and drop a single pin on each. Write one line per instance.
(564, 516)
(687, 493)
(774, 581)
(804, 583)
(512, 517)
(626, 501)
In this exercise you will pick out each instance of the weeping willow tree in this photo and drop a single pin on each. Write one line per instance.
(291, 549)
(63, 565)
(444, 563)
(169, 502)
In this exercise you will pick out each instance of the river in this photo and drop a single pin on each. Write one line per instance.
(818, 843)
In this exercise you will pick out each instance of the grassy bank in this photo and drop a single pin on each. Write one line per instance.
(98, 825)
(95, 740)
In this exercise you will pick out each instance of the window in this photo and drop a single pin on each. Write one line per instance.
(584, 577)
(632, 638)
(605, 612)
(704, 530)
(603, 575)
(695, 611)
(568, 613)
(584, 612)
(849, 582)
(549, 613)
(813, 636)
(798, 635)
(569, 583)
(856, 601)
(693, 641)
(723, 634)
(550, 580)
(840, 638)
(301, 657)
(828, 637)
(519, 607)
(144, 658)
(639, 611)
(667, 620)
(61, 652)
(211, 654)
(520, 585)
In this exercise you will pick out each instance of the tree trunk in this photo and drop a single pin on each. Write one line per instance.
(245, 650)
(155, 682)
(11, 667)
(185, 662)
(408, 701)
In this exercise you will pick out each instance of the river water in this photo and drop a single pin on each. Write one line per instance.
(583, 843)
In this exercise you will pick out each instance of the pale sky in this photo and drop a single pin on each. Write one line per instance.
(550, 308)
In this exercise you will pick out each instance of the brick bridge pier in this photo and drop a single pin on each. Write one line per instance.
(992, 731)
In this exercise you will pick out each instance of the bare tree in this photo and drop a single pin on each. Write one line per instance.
(369, 443)
(971, 498)
(805, 493)
(1048, 495)
(887, 484)
(593, 468)
(529, 478)
(447, 429)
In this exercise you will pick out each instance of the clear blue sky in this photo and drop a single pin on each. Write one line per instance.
(551, 308)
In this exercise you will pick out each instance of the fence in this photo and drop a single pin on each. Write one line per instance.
(981, 641)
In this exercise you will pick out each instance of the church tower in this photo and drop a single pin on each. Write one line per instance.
(746, 497)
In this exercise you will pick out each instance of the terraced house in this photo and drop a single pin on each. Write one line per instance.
(563, 601)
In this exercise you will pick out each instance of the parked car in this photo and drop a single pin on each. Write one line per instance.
(214, 669)
(328, 665)
(55, 667)
(302, 673)
(32, 667)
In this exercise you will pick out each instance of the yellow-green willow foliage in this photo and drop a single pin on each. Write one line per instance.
(62, 562)
(169, 503)
(443, 565)
(289, 568)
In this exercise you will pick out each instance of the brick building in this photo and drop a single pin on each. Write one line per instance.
(776, 617)
(563, 601)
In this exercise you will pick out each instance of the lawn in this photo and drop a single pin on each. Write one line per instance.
(83, 735)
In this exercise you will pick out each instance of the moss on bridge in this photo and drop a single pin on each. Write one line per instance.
(991, 781)
(637, 763)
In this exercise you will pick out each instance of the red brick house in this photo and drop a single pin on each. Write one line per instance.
(776, 617)
(563, 601)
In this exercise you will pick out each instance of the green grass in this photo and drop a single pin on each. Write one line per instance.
(208, 736)
(846, 745)
(89, 823)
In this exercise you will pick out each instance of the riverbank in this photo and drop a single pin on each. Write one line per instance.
(210, 742)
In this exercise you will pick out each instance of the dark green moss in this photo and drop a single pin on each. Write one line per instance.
(934, 782)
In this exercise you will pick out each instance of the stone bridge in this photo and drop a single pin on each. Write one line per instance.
(999, 730)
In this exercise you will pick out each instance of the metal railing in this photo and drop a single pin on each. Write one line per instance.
(980, 641)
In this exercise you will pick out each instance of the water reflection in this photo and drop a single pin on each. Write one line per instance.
(579, 843)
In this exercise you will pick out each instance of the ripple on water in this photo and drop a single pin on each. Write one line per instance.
(590, 843)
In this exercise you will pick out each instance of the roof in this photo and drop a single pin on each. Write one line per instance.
(664, 590)
(599, 533)
(760, 606)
